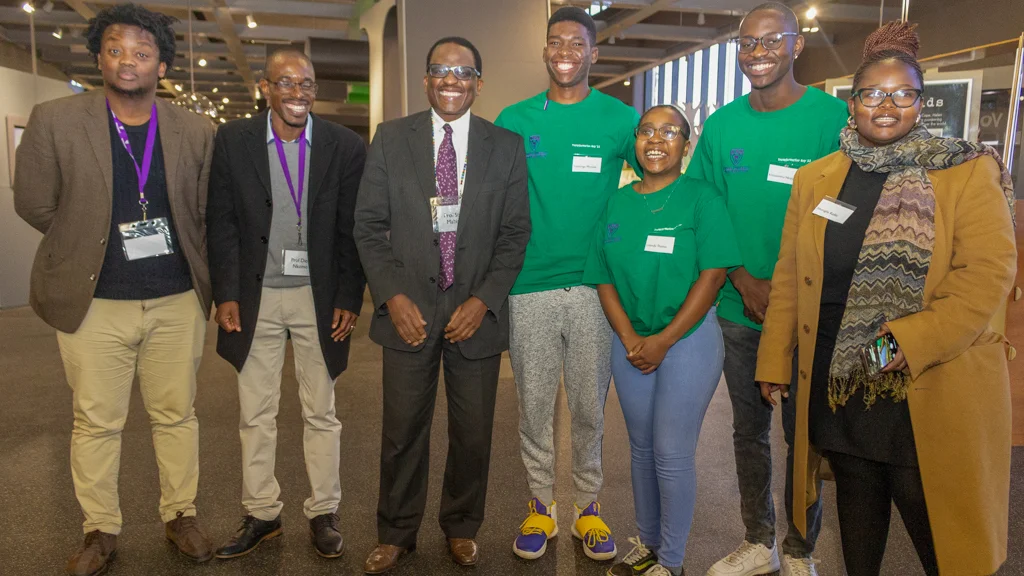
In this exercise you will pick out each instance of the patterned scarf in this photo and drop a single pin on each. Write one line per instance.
(888, 281)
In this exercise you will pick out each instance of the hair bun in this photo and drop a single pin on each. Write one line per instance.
(893, 37)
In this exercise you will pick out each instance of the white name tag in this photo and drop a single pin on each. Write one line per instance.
(146, 247)
(834, 210)
(590, 164)
(296, 263)
(781, 174)
(448, 218)
(660, 244)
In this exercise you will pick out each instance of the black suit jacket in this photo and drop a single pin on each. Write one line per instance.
(398, 245)
(238, 224)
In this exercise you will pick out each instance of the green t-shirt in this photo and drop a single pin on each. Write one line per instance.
(653, 259)
(751, 157)
(574, 155)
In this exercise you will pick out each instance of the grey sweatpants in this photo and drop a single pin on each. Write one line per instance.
(555, 333)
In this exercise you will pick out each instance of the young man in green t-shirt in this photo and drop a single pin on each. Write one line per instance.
(751, 148)
(576, 141)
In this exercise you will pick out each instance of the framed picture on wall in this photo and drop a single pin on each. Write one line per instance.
(15, 128)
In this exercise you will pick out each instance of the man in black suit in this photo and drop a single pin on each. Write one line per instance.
(283, 262)
(442, 223)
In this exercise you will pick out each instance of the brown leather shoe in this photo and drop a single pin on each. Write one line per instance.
(383, 558)
(464, 551)
(95, 555)
(185, 533)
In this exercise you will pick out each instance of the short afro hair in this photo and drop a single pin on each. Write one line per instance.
(478, 62)
(577, 15)
(157, 24)
(789, 18)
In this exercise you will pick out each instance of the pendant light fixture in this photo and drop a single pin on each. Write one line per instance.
(192, 100)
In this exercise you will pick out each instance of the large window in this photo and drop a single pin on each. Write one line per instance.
(701, 82)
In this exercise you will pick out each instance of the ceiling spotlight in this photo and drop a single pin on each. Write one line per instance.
(222, 121)
(215, 89)
(194, 97)
(626, 83)
(48, 7)
(256, 108)
(178, 87)
(58, 33)
(806, 29)
(812, 13)
(202, 62)
(814, 29)
(221, 107)
(247, 115)
(700, 19)
(28, 7)
(250, 21)
(225, 100)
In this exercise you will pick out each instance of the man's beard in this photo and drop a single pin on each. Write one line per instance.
(134, 93)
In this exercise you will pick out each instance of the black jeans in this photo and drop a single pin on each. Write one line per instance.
(752, 424)
(865, 491)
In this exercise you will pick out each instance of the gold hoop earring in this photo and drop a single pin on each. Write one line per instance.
(851, 123)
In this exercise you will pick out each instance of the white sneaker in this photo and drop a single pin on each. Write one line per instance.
(798, 566)
(748, 560)
(657, 570)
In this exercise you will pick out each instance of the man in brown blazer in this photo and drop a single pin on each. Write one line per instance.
(115, 179)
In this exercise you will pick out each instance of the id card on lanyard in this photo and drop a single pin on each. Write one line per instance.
(143, 238)
(294, 257)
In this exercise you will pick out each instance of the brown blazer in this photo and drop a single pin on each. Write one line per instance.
(64, 185)
(960, 391)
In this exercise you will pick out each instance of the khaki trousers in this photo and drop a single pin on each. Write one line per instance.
(161, 340)
(284, 310)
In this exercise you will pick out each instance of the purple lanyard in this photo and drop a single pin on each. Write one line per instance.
(147, 155)
(296, 198)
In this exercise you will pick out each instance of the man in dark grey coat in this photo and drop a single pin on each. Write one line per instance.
(442, 223)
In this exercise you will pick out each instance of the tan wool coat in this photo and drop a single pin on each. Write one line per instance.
(959, 394)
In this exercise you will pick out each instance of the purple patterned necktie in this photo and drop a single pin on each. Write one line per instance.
(447, 188)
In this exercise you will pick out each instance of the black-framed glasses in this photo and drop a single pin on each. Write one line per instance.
(770, 42)
(666, 131)
(903, 98)
(461, 72)
(286, 85)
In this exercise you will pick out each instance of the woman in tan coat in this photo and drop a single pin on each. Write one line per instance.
(927, 255)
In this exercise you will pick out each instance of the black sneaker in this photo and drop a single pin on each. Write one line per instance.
(638, 561)
(249, 535)
(326, 538)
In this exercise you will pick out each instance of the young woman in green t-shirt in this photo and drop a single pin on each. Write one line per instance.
(659, 259)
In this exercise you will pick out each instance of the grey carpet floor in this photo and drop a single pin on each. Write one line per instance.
(42, 521)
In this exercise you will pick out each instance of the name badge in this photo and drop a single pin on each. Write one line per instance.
(445, 214)
(834, 210)
(590, 164)
(146, 238)
(781, 174)
(660, 244)
(295, 263)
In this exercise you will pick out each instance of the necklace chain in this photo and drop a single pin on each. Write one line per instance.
(665, 203)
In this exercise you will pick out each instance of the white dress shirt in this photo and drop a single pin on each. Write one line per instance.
(460, 140)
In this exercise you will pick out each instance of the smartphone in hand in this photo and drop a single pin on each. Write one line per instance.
(878, 354)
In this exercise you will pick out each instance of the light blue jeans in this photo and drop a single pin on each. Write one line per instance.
(664, 411)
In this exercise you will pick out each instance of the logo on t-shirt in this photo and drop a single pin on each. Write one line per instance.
(534, 142)
(736, 155)
(611, 234)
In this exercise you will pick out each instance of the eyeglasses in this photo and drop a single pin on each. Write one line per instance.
(286, 85)
(461, 72)
(771, 42)
(873, 98)
(667, 131)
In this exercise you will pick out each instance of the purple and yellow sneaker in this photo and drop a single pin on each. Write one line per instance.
(595, 534)
(539, 527)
